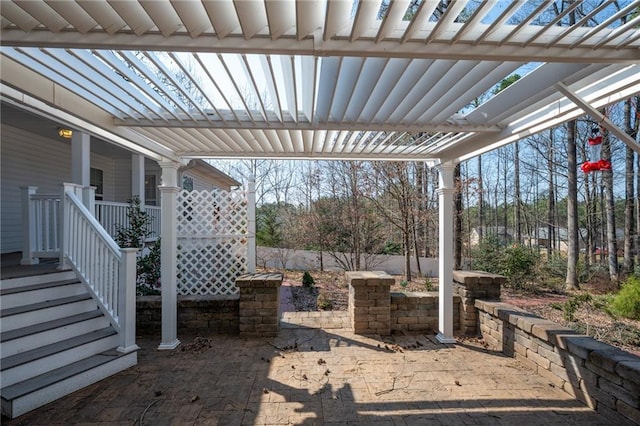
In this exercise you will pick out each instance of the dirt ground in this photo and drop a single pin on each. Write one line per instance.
(330, 293)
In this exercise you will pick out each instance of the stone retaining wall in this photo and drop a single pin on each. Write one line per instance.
(259, 304)
(373, 309)
(369, 302)
(472, 285)
(418, 312)
(196, 314)
(605, 378)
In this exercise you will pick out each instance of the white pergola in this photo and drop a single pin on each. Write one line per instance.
(316, 79)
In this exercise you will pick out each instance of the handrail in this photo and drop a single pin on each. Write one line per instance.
(108, 271)
(113, 215)
(41, 217)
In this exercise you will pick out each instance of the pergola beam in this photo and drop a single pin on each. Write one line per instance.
(461, 50)
(603, 120)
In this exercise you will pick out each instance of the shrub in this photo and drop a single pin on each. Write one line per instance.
(486, 256)
(627, 302)
(324, 303)
(307, 280)
(515, 262)
(518, 263)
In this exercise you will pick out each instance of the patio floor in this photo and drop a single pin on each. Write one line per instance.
(324, 375)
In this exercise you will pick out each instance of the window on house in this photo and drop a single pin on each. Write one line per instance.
(187, 183)
(96, 178)
(150, 190)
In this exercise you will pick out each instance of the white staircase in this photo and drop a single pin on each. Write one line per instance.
(53, 341)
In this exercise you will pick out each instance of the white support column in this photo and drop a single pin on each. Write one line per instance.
(251, 226)
(127, 301)
(81, 164)
(168, 258)
(28, 226)
(137, 178)
(445, 256)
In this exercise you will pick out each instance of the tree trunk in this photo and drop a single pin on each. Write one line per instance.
(552, 198)
(628, 196)
(457, 220)
(480, 200)
(612, 244)
(516, 173)
(571, 281)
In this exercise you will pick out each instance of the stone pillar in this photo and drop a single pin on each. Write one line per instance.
(168, 257)
(259, 314)
(445, 250)
(370, 302)
(472, 285)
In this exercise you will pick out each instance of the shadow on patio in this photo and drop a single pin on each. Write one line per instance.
(317, 375)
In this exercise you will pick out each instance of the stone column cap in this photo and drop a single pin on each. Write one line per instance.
(473, 277)
(368, 277)
(268, 279)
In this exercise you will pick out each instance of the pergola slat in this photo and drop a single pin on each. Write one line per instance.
(223, 16)
(103, 14)
(134, 15)
(193, 16)
(74, 14)
(163, 15)
(252, 16)
(281, 17)
(18, 16)
(365, 16)
(42, 12)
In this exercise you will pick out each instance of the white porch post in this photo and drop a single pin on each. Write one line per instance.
(81, 163)
(445, 257)
(28, 226)
(137, 178)
(168, 258)
(251, 226)
(127, 301)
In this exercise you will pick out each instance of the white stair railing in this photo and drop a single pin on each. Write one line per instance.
(41, 222)
(40, 225)
(108, 271)
(113, 215)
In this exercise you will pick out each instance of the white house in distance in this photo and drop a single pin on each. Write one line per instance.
(34, 154)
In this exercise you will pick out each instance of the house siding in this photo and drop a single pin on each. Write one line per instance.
(28, 159)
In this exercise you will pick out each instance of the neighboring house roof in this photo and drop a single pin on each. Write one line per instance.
(493, 230)
(220, 179)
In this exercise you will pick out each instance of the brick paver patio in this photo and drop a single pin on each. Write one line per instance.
(311, 375)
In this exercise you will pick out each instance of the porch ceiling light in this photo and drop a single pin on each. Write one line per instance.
(65, 133)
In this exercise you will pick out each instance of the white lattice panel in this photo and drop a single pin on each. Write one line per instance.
(212, 235)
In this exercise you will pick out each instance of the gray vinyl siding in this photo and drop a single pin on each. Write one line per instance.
(121, 180)
(28, 159)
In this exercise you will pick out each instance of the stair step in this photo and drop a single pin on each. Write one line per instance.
(49, 325)
(25, 396)
(37, 279)
(43, 351)
(43, 305)
(38, 361)
(21, 316)
(43, 380)
(42, 292)
(39, 286)
(30, 337)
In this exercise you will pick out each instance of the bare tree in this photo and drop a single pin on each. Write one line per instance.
(571, 281)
